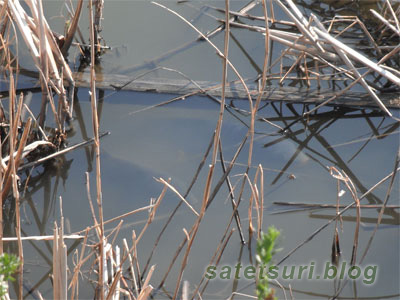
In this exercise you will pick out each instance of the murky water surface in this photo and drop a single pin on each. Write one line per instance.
(170, 141)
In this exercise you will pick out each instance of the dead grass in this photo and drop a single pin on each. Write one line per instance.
(318, 51)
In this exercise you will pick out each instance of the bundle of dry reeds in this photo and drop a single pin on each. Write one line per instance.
(26, 139)
(318, 50)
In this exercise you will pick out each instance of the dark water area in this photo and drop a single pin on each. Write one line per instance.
(169, 141)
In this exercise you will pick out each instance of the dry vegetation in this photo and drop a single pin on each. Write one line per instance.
(27, 142)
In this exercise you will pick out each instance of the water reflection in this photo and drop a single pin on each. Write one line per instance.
(170, 141)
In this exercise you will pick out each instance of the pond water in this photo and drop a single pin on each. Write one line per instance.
(169, 141)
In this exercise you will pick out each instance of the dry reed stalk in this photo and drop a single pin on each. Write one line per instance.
(14, 118)
(185, 290)
(342, 176)
(327, 49)
(359, 57)
(241, 294)
(357, 21)
(95, 123)
(196, 175)
(386, 22)
(136, 260)
(44, 136)
(59, 262)
(317, 231)
(392, 176)
(42, 238)
(167, 184)
(131, 267)
(1, 197)
(335, 206)
(44, 68)
(216, 263)
(231, 196)
(194, 229)
(89, 196)
(97, 23)
(58, 153)
(74, 284)
(219, 251)
(46, 56)
(152, 213)
(382, 210)
(292, 40)
(228, 170)
(145, 293)
(386, 57)
(217, 135)
(291, 68)
(249, 6)
(72, 28)
(210, 198)
(253, 197)
(355, 72)
(301, 22)
(254, 109)
(15, 158)
(219, 53)
(115, 231)
(261, 202)
(114, 292)
(118, 270)
(336, 253)
(144, 208)
(48, 64)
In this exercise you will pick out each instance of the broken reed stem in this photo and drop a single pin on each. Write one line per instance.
(72, 29)
(97, 149)
(131, 267)
(99, 4)
(152, 213)
(136, 260)
(167, 184)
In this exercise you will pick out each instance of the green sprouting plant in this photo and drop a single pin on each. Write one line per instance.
(8, 265)
(266, 248)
